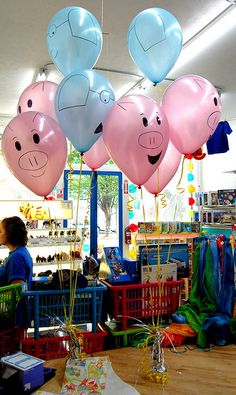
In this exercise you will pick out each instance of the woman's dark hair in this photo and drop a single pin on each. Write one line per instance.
(16, 232)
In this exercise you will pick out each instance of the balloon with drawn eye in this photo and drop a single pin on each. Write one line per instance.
(155, 42)
(35, 150)
(40, 97)
(136, 135)
(82, 101)
(74, 39)
(193, 108)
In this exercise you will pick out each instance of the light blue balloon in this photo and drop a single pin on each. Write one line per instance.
(82, 101)
(155, 42)
(74, 39)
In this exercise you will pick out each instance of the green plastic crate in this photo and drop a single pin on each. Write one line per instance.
(10, 295)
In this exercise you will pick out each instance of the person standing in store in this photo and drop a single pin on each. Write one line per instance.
(18, 266)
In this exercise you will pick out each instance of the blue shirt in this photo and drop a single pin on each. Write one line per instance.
(218, 143)
(18, 265)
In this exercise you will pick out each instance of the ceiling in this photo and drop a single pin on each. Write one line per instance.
(23, 46)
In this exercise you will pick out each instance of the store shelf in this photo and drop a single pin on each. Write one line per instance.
(167, 236)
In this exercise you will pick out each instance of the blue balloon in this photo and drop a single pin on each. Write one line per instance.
(74, 39)
(155, 42)
(82, 101)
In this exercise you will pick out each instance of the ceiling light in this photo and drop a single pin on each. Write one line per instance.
(232, 1)
(211, 33)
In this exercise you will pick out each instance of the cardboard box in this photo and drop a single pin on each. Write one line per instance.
(150, 273)
(30, 369)
(165, 253)
(227, 196)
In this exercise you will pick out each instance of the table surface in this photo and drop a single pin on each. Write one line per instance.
(190, 371)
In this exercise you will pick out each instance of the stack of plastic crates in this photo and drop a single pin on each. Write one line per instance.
(59, 346)
(52, 308)
(10, 296)
(129, 303)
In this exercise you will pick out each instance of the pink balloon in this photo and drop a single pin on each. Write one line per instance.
(97, 155)
(165, 172)
(35, 150)
(193, 109)
(136, 135)
(38, 97)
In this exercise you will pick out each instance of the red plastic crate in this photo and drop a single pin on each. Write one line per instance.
(143, 300)
(58, 347)
(9, 341)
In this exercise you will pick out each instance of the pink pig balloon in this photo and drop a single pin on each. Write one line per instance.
(97, 155)
(38, 97)
(35, 150)
(136, 135)
(193, 109)
(165, 172)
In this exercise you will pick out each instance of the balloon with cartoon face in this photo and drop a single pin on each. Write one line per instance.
(193, 109)
(35, 150)
(82, 101)
(136, 135)
(40, 97)
(74, 39)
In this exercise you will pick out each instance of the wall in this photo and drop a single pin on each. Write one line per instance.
(212, 171)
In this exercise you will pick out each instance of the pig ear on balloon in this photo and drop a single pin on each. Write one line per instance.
(97, 155)
(155, 42)
(36, 159)
(165, 171)
(40, 97)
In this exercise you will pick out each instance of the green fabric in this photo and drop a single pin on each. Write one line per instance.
(199, 307)
(233, 328)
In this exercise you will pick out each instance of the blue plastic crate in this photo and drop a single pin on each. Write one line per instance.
(46, 308)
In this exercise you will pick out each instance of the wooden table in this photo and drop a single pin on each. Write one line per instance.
(192, 372)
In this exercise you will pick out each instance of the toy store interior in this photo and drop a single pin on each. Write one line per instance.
(118, 197)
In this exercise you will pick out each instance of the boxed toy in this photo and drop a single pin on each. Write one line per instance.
(166, 253)
(227, 196)
(117, 269)
(213, 198)
(152, 274)
(29, 370)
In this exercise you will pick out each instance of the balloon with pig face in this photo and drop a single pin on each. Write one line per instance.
(40, 97)
(193, 109)
(35, 150)
(136, 135)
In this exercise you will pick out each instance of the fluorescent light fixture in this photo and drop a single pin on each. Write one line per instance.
(210, 34)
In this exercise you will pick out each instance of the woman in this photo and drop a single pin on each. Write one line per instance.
(18, 266)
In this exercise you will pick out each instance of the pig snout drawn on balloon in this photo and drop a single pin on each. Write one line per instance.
(151, 140)
(34, 162)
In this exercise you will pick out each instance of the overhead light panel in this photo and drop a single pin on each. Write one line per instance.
(211, 33)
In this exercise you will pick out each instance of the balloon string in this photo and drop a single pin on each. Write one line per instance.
(149, 293)
(72, 279)
(102, 15)
(69, 162)
(181, 189)
(163, 200)
(129, 203)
